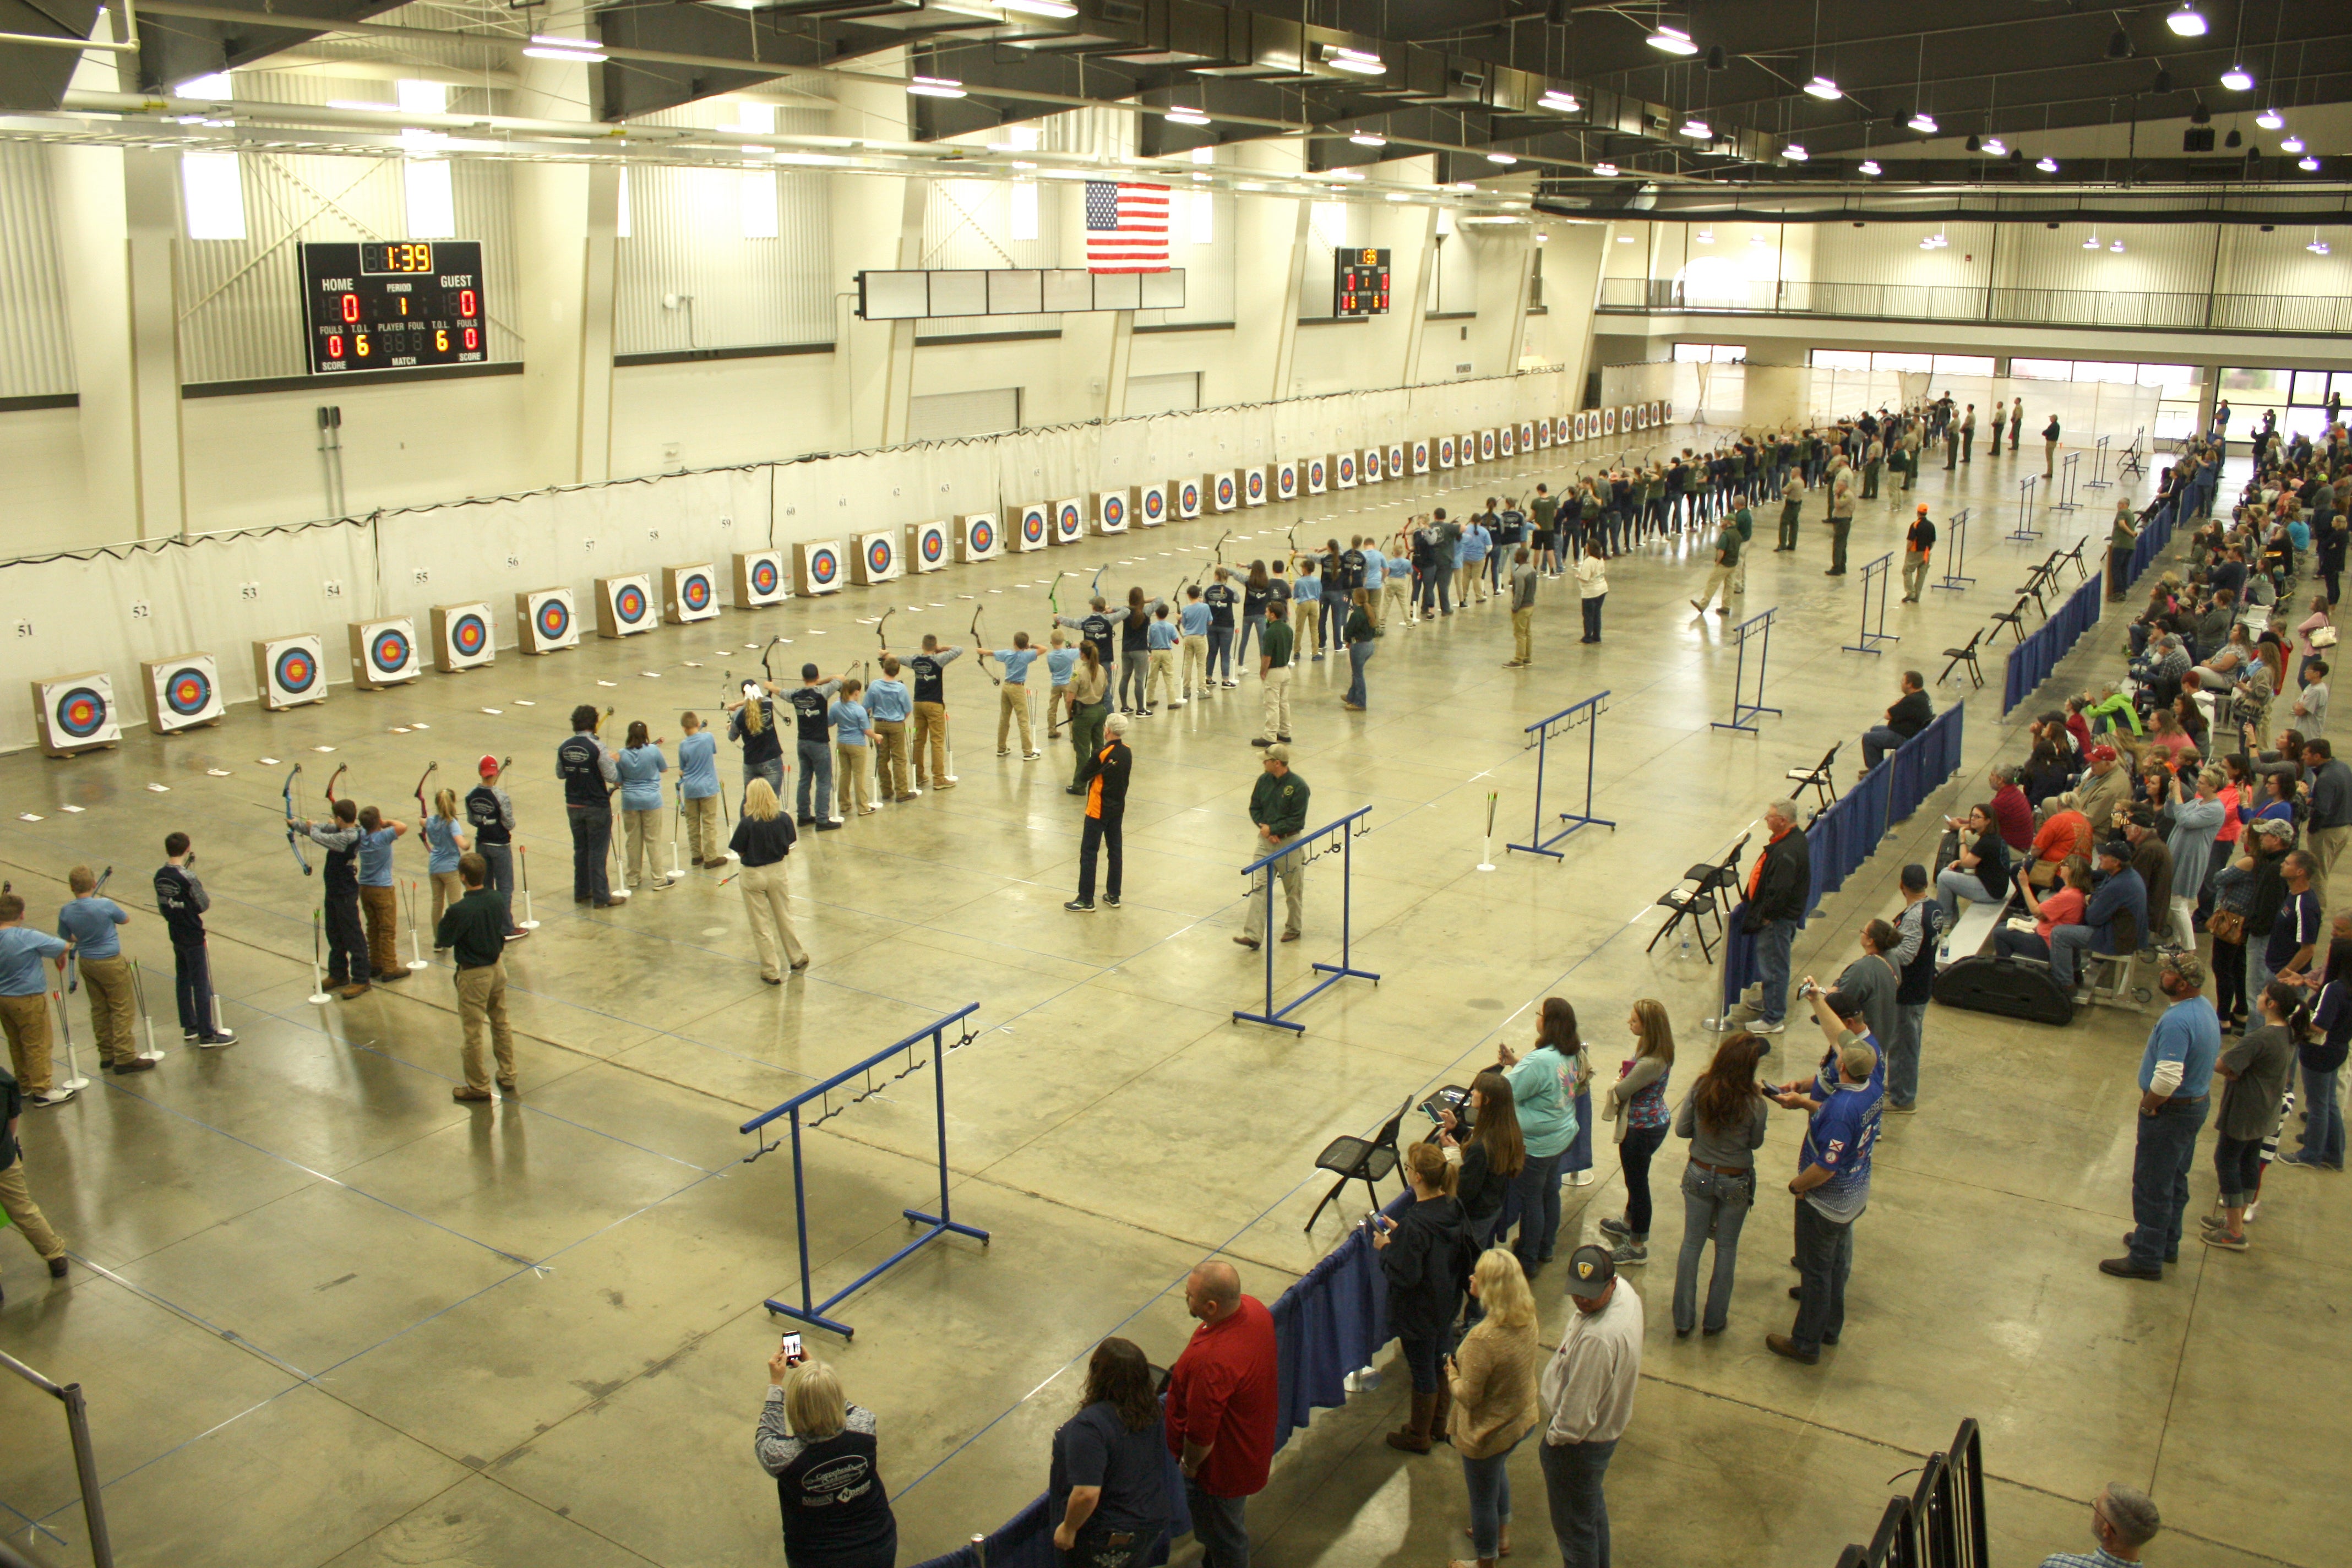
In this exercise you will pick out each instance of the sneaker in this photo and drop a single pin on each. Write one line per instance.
(218, 1037)
(828, 827)
(1616, 1227)
(135, 1064)
(1901, 1109)
(2223, 1239)
(1031, 756)
(1262, 740)
(1760, 1027)
(1628, 1252)
(1112, 901)
(1003, 751)
(1176, 701)
(1080, 906)
(1283, 739)
(59, 1096)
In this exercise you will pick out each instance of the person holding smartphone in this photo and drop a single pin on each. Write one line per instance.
(1422, 1253)
(822, 1451)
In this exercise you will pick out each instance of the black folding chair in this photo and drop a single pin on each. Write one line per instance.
(2039, 579)
(1360, 1160)
(1965, 653)
(2014, 619)
(1817, 777)
(1706, 889)
(2082, 572)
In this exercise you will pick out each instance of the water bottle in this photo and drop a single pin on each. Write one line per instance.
(1687, 944)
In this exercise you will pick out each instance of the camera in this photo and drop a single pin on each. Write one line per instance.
(1808, 990)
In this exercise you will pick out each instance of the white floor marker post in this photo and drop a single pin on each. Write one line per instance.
(415, 948)
(1486, 860)
(73, 1082)
(522, 862)
(674, 874)
(154, 1053)
(319, 998)
(616, 887)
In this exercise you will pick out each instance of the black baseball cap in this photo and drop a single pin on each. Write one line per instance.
(1590, 1270)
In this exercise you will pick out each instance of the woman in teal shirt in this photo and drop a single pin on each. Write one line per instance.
(1542, 1088)
(641, 766)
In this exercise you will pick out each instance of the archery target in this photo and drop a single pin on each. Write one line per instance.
(876, 559)
(290, 671)
(1625, 419)
(1609, 422)
(927, 545)
(760, 579)
(1445, 451)
(1188, 498)
(1223, 493)
(690, 594)
(1640, 417)
(1315, 475)
(1468, 447)
(1254, 486)
(76, 713)
(546, 620)
(1581, 433)
(183, 692)
(817, 563)
(1152, 504)
(1070, 520)
(1421, 456)
(1111, 511)
(462, 638)
(1034, 530)
(1558, 429)
(1486, 445)
(1343, 470)
(980, 535)
(624, 605)
(1526, 436)
(1285, 480)
(1372, 467)
(1505, 441)
(1393, 461)
(1665, 411)
(1542, 429)
(385, 653)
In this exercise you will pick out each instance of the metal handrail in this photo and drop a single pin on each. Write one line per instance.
(2313, 314)
(1942, 1523)
(93, 1508)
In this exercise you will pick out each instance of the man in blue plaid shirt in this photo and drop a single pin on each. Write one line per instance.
(2123, 1521)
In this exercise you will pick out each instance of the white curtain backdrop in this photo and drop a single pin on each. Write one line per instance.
(218, 593)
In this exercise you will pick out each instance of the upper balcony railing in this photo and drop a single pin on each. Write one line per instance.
(2312, 315)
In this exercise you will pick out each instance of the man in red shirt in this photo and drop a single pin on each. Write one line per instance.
(1222, 1397)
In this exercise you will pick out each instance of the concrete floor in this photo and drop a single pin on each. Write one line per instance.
(325, 1316)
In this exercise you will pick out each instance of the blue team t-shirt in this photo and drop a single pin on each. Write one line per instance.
(375, 857)
(697, 765)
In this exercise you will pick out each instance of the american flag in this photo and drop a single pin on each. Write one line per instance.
(1127, 226)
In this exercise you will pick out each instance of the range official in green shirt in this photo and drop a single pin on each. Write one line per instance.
(1278, 808)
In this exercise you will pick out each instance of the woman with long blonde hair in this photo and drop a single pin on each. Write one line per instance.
(1637, 1104)
(1493, 1380)
(764, 836)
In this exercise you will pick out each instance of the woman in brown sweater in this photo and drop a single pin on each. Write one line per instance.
(1492, 1376)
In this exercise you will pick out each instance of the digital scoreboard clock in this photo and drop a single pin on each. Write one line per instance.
(394, 305)
(1359, 286)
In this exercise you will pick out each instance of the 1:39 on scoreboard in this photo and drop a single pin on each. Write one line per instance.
(394, 305)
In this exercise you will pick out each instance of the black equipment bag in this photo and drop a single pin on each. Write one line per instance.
(2009, 986)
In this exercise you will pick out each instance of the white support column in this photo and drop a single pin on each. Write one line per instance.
(598, 286)
(899, 382)
(1412, 285)
(151, 212)
(1518, 326)
(1286, 323)
(87, 187)
(565, 219)
(1122, 349)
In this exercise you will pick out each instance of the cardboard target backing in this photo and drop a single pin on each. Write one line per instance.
(1487, 446)
(1343, 470)
(1033, 526)
(1112, 508)
(76, 713)
(182, 691)
(1254, 484)
(1150, 504)
(1421, 456)
(1506, 441)
(690, 594)
(925, 546)
(385, 653)
(1543, 434)
(1070, 520)
(816, 565)
(290, 671)
(1314, 474)
(980, 535)
(462, 637)
(624, 605)
(875, 558)
(1188, 498)
(546, 620)
(1373, 466)
(760, 579)
(1286, 481)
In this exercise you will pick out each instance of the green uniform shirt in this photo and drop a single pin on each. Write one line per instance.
(1745, 520)
(475, 927)
(1727, 546)
(1279, 804)
(1273, 642)
(1546, 508)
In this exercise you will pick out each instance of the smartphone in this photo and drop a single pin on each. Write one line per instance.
(794, 1355)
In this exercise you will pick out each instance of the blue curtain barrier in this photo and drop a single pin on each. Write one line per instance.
(2031, 661)
(1839, 839)
(1332, 1323)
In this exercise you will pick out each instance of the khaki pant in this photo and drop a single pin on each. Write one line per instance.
(1464, 576)
(1292, 869)
(1719, 585)
(448, 889)
(1396, 597)
(766, 892)
(1307, 623)
(16, 1202)
(1013, 701)
(2048, 458)
(853, 779)
(114, 1007)
(891, 758)
(2326, 847)
(931, 744)
(1160, 683)
(25, 1020)
(704, 841)
(641, 841)
(1195, 664)
(1914, 574)
(1523, 635)
(1278, 703)
(380, 906)
(482, 1001)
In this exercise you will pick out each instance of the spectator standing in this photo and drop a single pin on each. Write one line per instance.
(763, 838)
(475, 928)
(1792, 502)
(1110, 1464)
(2311, 702)
(1587, 1399)
(2256, 1069)
(2176, 1076)
(1833, 1182)
(1725, 1117)
(1779, 889)
(1423, 1253)
(1841, 516)
(1542, 1088)
(1223, 1393)
(2329, 784)
(823, 1453)
(1492, 1156)
(1592, 589)
(2294, 937)
(1277, 808)
(1637, 1104)
(1918, 544)
(1104, 775)
(1492, 1379)
(2049, 446)
(1523, 611)
(2122, 1519)
(2322, 1059)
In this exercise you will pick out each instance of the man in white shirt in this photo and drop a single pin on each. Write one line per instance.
(1588, 1397)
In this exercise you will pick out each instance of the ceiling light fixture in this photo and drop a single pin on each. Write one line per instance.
(1362, 62)
(1504, 158)
(1368, 139)
(2091, 243)
(2046, 165)
(936, 87)
(1996, 147)
(1346, 173)
(2187, 22)
(1672, 40)
(2270, 120)
(2117, 248)
(1795, 153)
(1870, 166)
(1606, 171)
(2237, 79)
(1467, 187)
(2317, 247)
(1924, 124)
(574, 51)
(358, 104)
(2291, 144)
(1696, 128)
(1823, 87)
(1185, 117)
(2308, 165)
(1055, 8)
(1705, 236)
(1624, 239)
(1559, 101)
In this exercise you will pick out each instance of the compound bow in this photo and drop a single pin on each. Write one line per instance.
(294, 838)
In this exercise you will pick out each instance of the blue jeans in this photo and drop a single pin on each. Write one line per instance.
(1592, 618)
(1221, 653)
(1360, 654)
(2066, 942)
(2323, 1128)
(1251, 625)
(1633, 1159)
(1420, 1359)
(1533, 1203)
(500, 858)
(1572, 1474)
(1876, 742)
(1954, 883)
(1218, 1526)
(1772, 944)
(192, 986)
(773, 772)
(1488, 1482)
(816, 774)
(1824, 1258)
(2160, 1161)
(1334, 621)
(1903, 1053)
(1717, 1204)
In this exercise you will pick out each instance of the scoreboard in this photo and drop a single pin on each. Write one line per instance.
(1359, 286)
(394, 304)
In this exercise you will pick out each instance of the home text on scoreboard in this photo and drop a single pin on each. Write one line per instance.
(1360, 285)
(394, 305)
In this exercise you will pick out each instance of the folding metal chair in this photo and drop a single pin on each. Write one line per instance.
(2014, 619)
(1702, 891)
(1965, 653)
(1817, 777)
(1360, 1160)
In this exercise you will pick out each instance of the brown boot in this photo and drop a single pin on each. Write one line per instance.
(1414, 1438)
(1441, 1407)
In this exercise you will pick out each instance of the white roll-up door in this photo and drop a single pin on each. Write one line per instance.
(943, 415)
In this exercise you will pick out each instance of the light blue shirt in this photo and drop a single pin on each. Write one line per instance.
(850, 722)
(697, 765)
(1016, 662)
(21, 950)
(2189, 1033)
(375, 857)
(1376, 566)
(441, 849)
(89, 924)
(641, 769)
(1308, 590)
(1059, 662)
(1159, 635)
(1475, 542)
(889, 702)
(1196, 617)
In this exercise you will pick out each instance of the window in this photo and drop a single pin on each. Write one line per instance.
(432, 201)
(1963, 365)
(1025, 209)
(759, 203)
(2100, 370)
(2042, 369)
(1841, 359)
(1709, 353)
(1918, 364)
(212, 188)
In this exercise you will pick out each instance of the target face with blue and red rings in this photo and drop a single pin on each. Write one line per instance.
(935, 543)
(822, 567)
(1033, 526)
(764, 577)
(469, 635)
(1154, 503)
(695, 592)
(1347, 467)
(81, 713)
(1188, 497)
(188, 693)
(1070, 520)
(878, 555)
(1225, 490)
(554, 619)
(1114, 511)
(388, 650)
(1315, 472)
(629, 603)
(983, 540)
(1256, 485)
(296, 671)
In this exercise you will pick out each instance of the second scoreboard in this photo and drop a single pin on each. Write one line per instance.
(1359, 286)
(394, 305)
